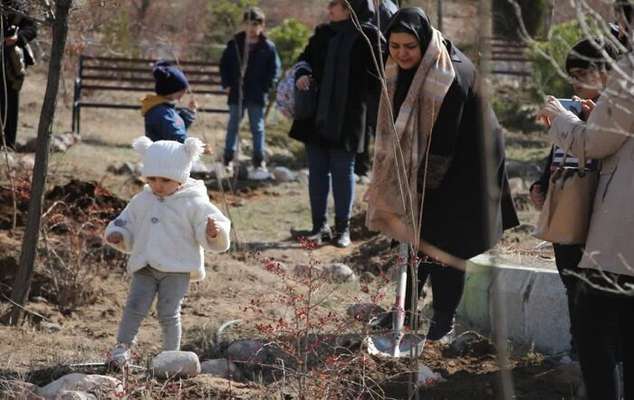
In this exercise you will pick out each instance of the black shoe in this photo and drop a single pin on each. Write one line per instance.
(342, 233)
(316, 235)
(441, 327)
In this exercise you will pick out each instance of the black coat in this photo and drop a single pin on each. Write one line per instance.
(362, 88)
(263, 69)
(27, 30)
(455, 216)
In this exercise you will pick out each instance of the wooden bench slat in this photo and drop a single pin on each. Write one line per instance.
(148, 60)
(145, 70)
(125, 79)
(143, 89)
(138, 107)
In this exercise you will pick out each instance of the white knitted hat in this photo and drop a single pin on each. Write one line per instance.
(167, 158)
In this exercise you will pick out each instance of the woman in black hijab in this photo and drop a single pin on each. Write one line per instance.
(461, 215)
(338, 61)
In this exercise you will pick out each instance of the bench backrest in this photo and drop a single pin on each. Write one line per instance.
(119, 74)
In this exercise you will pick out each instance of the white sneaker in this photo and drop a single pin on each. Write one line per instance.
(119, 356)
(229, 170)
(259, 174)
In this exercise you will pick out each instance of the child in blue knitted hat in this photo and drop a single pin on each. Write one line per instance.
(163, 121)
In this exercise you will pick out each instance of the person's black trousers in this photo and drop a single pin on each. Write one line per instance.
(447, 285)
(604, 334)
(567, 258)
(12, 104)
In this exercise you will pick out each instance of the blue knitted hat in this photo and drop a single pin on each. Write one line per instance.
(168, 79)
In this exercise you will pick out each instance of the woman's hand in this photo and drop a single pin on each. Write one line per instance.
(587, 106)
(303, 83)
(551, 110)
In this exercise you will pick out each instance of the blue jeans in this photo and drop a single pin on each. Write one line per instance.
(256, 121)
(322, 164)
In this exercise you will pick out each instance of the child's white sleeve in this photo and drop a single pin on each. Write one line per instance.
(220, 243)
(123, 225)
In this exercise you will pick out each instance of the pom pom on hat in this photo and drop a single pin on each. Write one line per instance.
(168, 158)
(194, 147)
(141, 144)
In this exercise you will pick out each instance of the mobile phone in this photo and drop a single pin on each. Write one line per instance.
(572, 105)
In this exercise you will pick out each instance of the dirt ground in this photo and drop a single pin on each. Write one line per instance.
(240, 283)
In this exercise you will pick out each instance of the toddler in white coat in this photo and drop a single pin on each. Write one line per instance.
(165, 228)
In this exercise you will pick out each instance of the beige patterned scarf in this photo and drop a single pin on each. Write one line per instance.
(394, 202)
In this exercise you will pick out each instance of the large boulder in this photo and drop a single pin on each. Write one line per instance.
(283, 174)
(81, 383)
(221, 368)
(176, 364)
(340, 273)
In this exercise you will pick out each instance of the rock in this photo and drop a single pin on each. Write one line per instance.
(58, 143)
(340, 273)
(247, 351)
(75, 395)
(50, 327)
(283, 174)
(470, 343)
(364, 311)
(181, 364)
(80, 382)
(259, 360)
(221, 368)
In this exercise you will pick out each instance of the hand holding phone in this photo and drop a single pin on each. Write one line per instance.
(572, 105)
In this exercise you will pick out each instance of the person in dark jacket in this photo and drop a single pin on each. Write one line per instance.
(249, 68)
(437, 177)
(163, 121)
(588, 70)
(339, 62)
(363, 163)
(19, 30)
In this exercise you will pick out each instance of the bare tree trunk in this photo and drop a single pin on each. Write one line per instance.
(499, 307)
(440, 15)
(22, 283)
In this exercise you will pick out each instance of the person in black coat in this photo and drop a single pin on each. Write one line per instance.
(363, 163)
(340, 63)
(248, 86)
(19, 30)
(462, 214)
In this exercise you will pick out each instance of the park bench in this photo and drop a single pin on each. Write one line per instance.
(119, 74)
